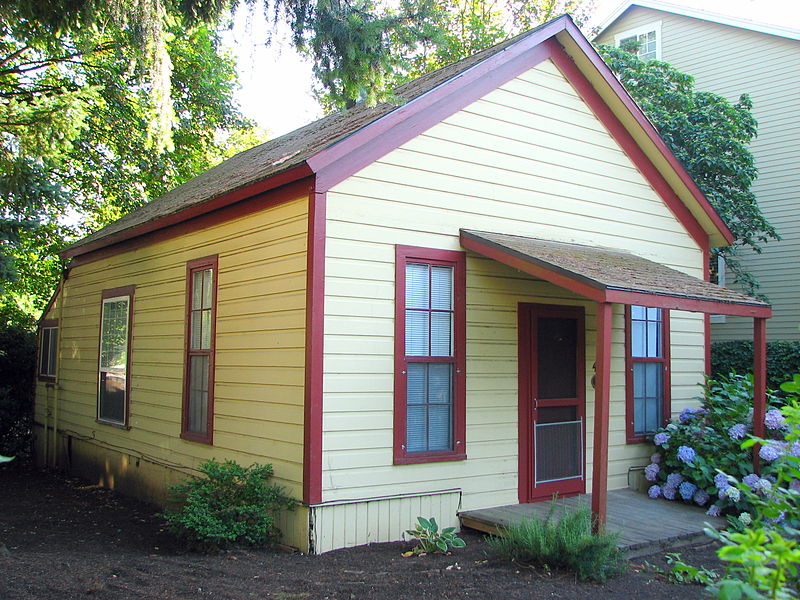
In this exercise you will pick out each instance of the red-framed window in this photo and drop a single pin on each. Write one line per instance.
(430, 348)
(647, 371)
(47, 351)
(198, 381)
(114, 356)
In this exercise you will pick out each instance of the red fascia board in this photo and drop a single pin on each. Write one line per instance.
(647, 127)
(715, 307)
(524, 264)
(314, 351)
(630, 146)
(193, 211)
(346, 157)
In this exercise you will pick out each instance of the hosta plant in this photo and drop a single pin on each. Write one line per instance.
(432, 540)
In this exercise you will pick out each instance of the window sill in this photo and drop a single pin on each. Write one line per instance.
(46, 378)
(415, 459)
(124, 426)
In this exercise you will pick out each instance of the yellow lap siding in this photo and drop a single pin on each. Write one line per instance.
(260, 339)
(530, 159)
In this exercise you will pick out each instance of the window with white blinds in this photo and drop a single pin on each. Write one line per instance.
(648, 374)
(431, 364)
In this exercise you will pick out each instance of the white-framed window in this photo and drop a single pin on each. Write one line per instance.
(720, 281)
(649, 38)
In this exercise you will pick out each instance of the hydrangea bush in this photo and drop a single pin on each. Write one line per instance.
(699, 455)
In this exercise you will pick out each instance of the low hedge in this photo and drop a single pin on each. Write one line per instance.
(783, 359)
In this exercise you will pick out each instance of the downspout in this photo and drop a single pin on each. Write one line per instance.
(62, 285)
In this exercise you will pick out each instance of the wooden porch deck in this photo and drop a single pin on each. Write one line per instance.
(646, 526)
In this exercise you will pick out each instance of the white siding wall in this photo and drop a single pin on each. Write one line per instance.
(529, 158)
(732, 61)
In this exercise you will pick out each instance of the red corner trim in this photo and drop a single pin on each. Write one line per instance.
(759, 383)
(350, 155)
(315, 338)
(707, 316)
(602, 395)
(647, 126)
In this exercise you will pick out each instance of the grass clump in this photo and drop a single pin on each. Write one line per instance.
(567, 542)
(231, 504)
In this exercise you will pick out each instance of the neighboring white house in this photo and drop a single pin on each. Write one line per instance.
(731, 57)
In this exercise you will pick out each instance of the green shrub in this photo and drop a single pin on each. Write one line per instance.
(17, 371)
(432, 540)
(783, 360)
(566, 542)
(230, 504)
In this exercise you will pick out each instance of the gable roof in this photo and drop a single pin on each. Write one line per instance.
(786, 32)
(339, 144)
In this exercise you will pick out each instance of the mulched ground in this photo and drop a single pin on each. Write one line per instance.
(68, 539)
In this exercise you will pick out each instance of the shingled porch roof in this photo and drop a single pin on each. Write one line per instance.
(608, 275)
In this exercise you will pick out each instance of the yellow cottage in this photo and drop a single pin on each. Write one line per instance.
(485, 293)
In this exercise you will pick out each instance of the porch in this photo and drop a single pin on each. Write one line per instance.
(646, 526)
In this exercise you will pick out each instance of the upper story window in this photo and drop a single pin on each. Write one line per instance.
(647, 369)
(429, 355)
(116, 317)
(647, 36)
(198, 392)
(48, 349)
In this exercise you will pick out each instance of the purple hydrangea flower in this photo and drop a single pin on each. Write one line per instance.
(686, 454)
(674, 479)
(668, 492)
(651, 471)
(687, 414)
(687, 490)
(763, 485)
(713, 511)
(701, 498)
(794, 449)
(774, 419)
(660, 438)
(654, 491)
(779, 519)
(770, 452)
(721, 481)
(733, 494)
(737, 432)
(655, 458)
(751, 480)
(794, 485)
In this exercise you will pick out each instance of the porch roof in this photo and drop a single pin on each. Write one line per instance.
(608, 275)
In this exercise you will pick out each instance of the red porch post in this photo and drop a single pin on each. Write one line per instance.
(759, 381)
(601, 411)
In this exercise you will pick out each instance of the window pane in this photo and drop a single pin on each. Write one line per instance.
(638, 313)
(442, 287)
(416, 392)
(197, 290)
(639, 380)
(205, 317)
(198, 394)
(208, 287)
(653, 339)
(647, 397)
(197, 330)
(441, 334)
(417, 290)
(114, 335)
(112, 396)
(440, 427)
(416, 428)
(638, 338)
(417, 333)
(44, 352)
(440, 383)
(52, 352)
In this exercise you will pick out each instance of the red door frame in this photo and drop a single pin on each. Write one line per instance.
(527, 383)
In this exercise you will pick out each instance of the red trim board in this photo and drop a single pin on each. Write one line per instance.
(314, 351)
(602, 394)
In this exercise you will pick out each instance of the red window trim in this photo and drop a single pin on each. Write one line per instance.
(200, 264)
(127, 290)
(45, 324)
(630, 436)
(457, 259)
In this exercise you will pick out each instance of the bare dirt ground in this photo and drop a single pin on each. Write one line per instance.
(68, 539)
